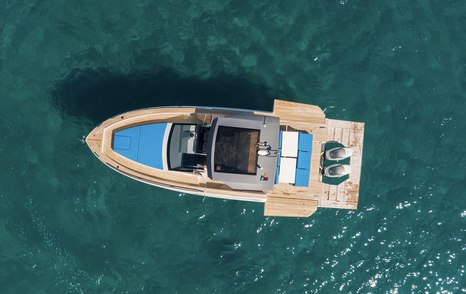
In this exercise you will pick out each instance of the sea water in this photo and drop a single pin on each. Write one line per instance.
(69, 224)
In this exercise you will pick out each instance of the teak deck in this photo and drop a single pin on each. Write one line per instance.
(284, 199)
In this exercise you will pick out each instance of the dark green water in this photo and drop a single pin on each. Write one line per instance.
(68, 224)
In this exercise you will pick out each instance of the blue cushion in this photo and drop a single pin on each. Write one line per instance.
(142, 144)
(303, 168)
(304, 160)
(302, 177)
(305, 142)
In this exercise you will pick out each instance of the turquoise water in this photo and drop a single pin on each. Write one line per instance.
(68, 224)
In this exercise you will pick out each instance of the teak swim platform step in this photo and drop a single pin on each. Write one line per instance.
(273, 157)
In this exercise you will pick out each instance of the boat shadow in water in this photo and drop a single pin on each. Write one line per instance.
(98, 94)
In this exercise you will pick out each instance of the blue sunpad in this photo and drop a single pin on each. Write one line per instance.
(303, 166)
(142, 144)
